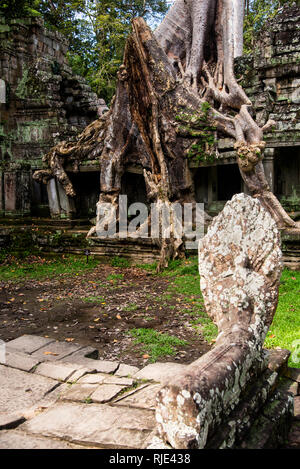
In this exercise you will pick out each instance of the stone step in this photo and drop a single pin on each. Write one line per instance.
(98, 425)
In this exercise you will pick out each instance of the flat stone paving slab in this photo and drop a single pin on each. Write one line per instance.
(57, 371)
(19, 360)
(106, 392)
(79, 392)
(160, 371)
(126, 370)
(15, 439)
(84, 352)
(94, 378)
(94, 424)
(100, 366)
(10, 419)
(28, 343)
(144, 398)
(55, 351)
(79, 374)
(101, 378)
(118, 380)
(20, 390)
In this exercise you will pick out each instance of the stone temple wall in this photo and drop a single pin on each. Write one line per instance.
(41, 103)
(271, 78)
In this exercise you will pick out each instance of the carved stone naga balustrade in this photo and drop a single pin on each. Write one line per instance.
(240, 269)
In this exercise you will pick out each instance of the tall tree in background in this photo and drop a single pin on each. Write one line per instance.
(257, 14)
(96, 30)
(108, 24)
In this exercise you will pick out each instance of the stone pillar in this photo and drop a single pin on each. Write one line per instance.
(53, 198)
(10, 188)
(268, 163)
(66, 203)
(59, 203)
(2, 92)
(24, 192)
(16, 188)
(1, 195)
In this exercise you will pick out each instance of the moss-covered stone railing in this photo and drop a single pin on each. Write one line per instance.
(213, 399)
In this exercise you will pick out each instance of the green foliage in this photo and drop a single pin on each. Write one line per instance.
(37, 267)
(119, 262)
(11, 9)
(156, 344)
(285, 329)
(257, 15)
(198, 125)
(96, 30)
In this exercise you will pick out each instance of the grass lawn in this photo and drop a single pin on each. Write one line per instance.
(37, 267)
(285, 329)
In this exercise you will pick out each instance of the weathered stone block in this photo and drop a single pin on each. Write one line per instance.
(106, 392)
(55, 371)
(21, 390)
(160, 371)
(28, 343)
(79, 392)
(103, 425)
(21, 361)
(126, 370)
(278, 360)
(10, 420)
(19, 440)
(144, 398)
(56, 351)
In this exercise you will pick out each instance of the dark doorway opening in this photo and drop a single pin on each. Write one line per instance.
(87, 188)
(287, 171)
(229, 181)
(39, 200)
(133, 185)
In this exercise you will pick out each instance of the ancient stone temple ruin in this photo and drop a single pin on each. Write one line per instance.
(42, 103)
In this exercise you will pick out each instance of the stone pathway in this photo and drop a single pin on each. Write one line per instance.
(56, 395)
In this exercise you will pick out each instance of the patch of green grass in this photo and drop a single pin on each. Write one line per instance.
(156, 344)
(285, 329)
(115, 277)
(93, 299)
(34, 267)
(186, 281)
(119, 262)
(88, 400)
(148, 267)
(131, 307)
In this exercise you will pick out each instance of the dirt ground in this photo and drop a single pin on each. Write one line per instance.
(98, 308)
